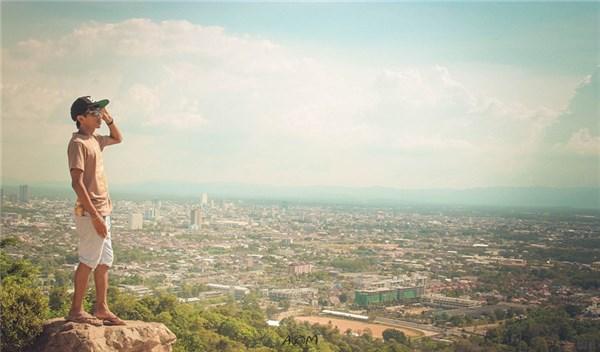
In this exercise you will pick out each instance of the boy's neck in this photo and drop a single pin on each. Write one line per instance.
(86, 131)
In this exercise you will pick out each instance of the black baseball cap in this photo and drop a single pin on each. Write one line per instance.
(82, 104)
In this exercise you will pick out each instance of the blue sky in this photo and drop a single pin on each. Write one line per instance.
(406, 95)
(558, 37)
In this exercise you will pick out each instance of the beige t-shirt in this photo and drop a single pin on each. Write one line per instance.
(85, 153)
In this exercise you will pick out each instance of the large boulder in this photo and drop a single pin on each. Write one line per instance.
(137, 336)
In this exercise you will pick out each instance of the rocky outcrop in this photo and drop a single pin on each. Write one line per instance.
(137, 336)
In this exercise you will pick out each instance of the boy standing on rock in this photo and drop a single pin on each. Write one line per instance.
(93, 208)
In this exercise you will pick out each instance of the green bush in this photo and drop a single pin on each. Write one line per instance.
(24, 307)
(394, 334)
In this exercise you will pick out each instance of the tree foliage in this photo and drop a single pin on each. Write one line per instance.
(394, 334)
(24, 307)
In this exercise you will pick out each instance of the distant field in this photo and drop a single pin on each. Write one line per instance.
(357, 326)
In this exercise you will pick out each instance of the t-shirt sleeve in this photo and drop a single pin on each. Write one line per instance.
(76, 154)
(102, 140)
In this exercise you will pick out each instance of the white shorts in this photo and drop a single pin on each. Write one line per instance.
(93, 249)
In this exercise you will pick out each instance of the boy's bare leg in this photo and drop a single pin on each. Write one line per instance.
(101, 281)
(80, 279)
(101, 310)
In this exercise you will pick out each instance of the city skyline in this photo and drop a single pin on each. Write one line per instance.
(407, 96)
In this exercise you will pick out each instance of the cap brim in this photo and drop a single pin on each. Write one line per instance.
(100, 103)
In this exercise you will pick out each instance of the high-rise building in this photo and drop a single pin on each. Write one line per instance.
(136, 221)
(204, 199)
(154, 213)
(23, 193)
(195, 218)
(150, 214)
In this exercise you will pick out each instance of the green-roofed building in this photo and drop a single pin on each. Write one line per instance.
(365, 298)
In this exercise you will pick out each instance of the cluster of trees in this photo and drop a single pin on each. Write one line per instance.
(241, 326)
(545, 329)
(353, 265)
(23, 306)
(584, 255)
(507, 280)
(486, 317)
(586, 279)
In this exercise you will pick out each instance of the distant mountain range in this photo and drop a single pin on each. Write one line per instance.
(575, 197)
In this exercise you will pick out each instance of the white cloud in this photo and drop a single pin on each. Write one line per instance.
(237, 107)
(582, 142)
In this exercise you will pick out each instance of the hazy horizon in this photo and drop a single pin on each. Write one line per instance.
(582, 198)
(397, 95)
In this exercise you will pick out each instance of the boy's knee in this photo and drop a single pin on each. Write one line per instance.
(102, 267)
(84, 266)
